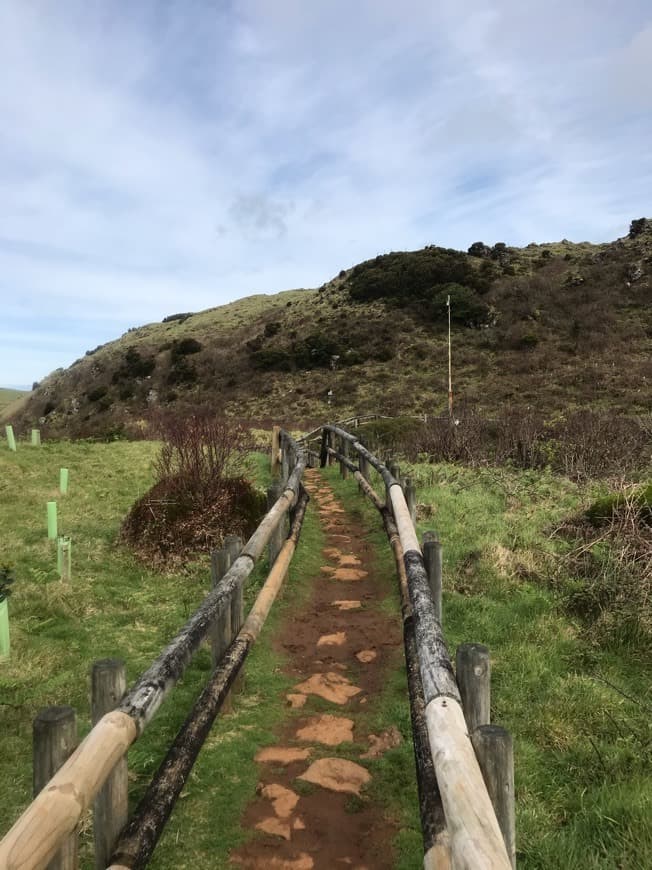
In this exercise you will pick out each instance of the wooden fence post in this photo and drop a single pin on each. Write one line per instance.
(494, 750)
(221, 634)
(331, 443)
(344, 450)
(411, 498)
(473, 671)
(233, 545)
(54, 740)
(276, 446)
(432, 558)
(111, 807)
(277, 537)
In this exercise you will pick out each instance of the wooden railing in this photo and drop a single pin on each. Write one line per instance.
(96, 769)
(464, 764)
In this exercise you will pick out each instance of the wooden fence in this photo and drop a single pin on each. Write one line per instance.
(465, 767)
(69, 780)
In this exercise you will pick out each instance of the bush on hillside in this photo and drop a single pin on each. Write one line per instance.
(200, 494)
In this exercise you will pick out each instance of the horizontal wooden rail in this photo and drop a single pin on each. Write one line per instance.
(475, 837)
(55, 813)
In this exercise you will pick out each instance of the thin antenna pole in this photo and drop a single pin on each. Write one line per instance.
(450, 368)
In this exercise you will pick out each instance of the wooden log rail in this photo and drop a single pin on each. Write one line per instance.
(57, 810)
(475, 837)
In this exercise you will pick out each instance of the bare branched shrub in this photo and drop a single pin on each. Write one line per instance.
(610, 567)
(200, 494)
(581, 444)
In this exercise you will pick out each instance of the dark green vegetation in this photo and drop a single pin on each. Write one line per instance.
(553, 327)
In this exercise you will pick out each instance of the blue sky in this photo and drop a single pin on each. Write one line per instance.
(161, 156)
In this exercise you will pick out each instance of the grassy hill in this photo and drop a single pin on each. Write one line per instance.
(11, 401)
(552, 326)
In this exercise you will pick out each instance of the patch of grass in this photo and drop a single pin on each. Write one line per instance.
(115, 607)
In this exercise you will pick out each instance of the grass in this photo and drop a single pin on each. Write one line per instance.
(115, 606)
(577, 711)
(11, 401)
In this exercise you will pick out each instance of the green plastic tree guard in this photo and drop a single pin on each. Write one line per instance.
(11, 440)
(4, 630)
(64, 557)
(52, 520)
(63, 481)
(36, 437)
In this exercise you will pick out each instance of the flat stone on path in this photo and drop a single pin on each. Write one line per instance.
(331, 687)
(337, 774)
(366, 655)
(349, 604)
(284, 800)
(275, 827)
(349, 574)
(349, 562)
(380, 744)
(282, 754)
(303, 861)
(327, 729)
(336, 639)
(296, 701)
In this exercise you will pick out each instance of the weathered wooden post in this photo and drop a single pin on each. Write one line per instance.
(285, 459)
(233, 545)
(363, 466)
(473, 671)
(344, 450)
(494, 750)
(221, 634)
(411, 498)
(276, 450)
(54, 737)
(432, 557)
(331, 444)
(277, 537)
(111, 807)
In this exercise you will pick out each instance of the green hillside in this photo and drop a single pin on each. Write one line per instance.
(552, 326)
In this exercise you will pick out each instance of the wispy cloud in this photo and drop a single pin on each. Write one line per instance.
(176, 155)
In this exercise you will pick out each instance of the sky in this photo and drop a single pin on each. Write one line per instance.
(173, 155)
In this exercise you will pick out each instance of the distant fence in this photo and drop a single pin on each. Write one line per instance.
(465, 767)
(69, 780)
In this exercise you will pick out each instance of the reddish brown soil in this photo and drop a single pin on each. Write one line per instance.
(317, 827)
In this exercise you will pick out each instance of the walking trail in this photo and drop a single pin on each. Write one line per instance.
(311, 809)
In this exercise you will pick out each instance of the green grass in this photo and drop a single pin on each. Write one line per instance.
(115, 606)
(583, 772)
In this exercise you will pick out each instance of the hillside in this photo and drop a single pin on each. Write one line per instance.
(553, 326)
(11, 401)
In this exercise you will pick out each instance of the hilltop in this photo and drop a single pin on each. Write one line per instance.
(553, 326)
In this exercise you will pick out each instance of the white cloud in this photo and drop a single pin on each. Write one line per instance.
(179, 155)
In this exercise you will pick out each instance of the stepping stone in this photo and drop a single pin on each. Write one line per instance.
(331, 687)
(366, 655)
(327, 729)
(284, 800)
(281, 754)
(380, 744)
(349, 574)
(275, 827)
(298, 824)
(327, 569)
(345, 604)
(337, 774)
(349, 562)
(296, 701)
(331, 553)
(337, 639)
(303, 861)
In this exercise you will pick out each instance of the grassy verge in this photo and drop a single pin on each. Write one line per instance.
(577, 711)
(114, 606)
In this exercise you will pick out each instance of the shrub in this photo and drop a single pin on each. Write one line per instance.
(637, 227)
(133, 365)
(479, 249)
(271, 328)
(200, 493)
(180, 317)
(6, 579)
(467, 308)
(185, 347)
(96, 394)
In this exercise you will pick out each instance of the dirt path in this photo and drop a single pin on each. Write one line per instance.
(311, 810)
